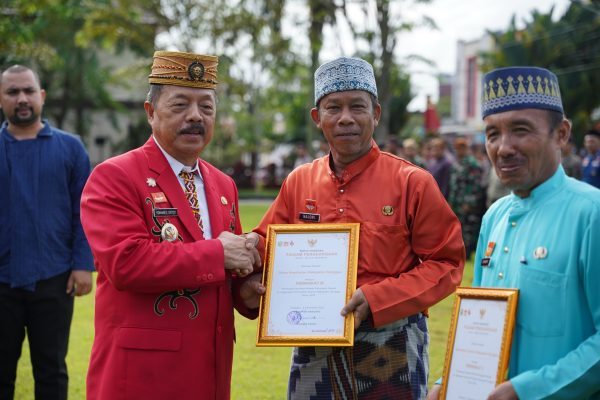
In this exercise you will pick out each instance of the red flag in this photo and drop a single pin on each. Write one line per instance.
(431, 117)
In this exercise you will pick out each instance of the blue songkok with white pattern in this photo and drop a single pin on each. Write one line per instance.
(344, 74)
(517, 88)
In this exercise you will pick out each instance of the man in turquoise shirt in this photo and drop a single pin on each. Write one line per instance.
(542, 239)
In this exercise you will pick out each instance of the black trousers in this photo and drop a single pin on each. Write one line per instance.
(45, 316)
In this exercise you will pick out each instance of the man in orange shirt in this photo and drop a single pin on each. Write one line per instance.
(411, 254)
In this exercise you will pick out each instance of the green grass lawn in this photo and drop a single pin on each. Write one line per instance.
(258, 373)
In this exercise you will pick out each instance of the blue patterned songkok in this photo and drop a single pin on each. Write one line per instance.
(344, 74)
(517, 88)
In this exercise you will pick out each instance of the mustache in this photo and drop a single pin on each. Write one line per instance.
(510, 158)
(195, 128)
(509, 161)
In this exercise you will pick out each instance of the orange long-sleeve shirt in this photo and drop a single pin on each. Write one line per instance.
(410, 255)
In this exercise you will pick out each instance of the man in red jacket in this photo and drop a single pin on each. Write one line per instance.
(163, 226)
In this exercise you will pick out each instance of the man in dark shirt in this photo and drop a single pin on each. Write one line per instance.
(44, 255)
(591, 162)
(439, 165)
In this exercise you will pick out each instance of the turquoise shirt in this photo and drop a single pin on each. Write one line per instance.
(548, 246)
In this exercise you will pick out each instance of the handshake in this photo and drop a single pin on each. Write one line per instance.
(241, 256)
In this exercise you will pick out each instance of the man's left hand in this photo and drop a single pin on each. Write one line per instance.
(359, 305)
(504, 391)
(79, 283)
(251, 290)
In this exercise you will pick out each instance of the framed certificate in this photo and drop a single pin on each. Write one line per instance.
(310, 274)
(479, 342)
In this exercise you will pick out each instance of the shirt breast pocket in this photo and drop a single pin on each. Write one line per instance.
(382, 248)
(541, 302)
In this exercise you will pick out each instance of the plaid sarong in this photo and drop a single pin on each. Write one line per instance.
(391, 362)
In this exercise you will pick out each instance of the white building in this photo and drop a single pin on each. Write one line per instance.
(466, 87)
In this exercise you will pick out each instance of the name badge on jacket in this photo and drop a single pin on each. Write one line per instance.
(309, 217)
(164, 212)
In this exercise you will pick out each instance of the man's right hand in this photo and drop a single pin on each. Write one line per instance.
(240, 256)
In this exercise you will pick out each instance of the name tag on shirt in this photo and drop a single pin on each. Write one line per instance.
(309, 217)
(165, 212)
(485, 262)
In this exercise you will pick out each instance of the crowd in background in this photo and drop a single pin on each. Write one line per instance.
(459, 165)
(462, 170)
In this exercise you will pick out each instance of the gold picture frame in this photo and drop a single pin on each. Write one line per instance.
(479, 341)
(309, 274)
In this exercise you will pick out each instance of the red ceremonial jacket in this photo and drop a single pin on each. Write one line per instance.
(164, 310)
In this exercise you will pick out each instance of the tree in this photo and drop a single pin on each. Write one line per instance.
(265, 76)
(65, 41)
(568, 46)
(321, 13)
(277, 80)
(381, 44)
(261, 79)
